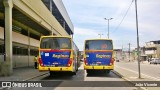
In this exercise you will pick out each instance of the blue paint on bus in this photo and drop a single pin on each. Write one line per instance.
(98, 58)
(55, 59)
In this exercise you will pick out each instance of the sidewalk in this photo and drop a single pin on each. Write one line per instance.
(130, 75)
(23, 73)
(145, 62)
(142, 62)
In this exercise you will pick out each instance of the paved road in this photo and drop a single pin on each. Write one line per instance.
(81, 76)
(150, 71)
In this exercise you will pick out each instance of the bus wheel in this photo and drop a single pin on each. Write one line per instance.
(51, 73)
(107, 71)
(89, 71)
(77, 68)
(73, 73)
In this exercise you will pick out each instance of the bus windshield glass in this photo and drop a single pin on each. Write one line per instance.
(98, 45)
(55, 43)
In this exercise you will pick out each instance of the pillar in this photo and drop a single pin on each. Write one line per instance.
(7, 65)
(29, 50)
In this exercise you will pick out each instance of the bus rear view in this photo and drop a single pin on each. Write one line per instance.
(55, 54)
(98, 55)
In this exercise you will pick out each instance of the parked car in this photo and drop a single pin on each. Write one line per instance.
(116, 59)
(155, 61)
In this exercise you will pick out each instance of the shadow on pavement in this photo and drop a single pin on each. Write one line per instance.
(112, 74)
(60, 76)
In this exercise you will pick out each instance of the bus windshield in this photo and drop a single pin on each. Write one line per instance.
(55, 43)
(98, 45)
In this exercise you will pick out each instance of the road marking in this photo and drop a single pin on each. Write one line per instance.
(153, 78)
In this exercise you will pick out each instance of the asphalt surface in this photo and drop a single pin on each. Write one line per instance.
(81, 76)
(149, 71)
(76, 82)
(129, 71)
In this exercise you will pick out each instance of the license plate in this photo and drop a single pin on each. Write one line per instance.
(99, 62)
(94, 64)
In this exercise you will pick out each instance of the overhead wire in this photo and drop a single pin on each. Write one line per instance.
(123, 17)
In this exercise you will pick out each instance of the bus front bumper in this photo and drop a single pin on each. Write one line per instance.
(55, 68)
(99, 67)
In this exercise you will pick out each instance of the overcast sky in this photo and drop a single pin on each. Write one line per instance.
(88, 16)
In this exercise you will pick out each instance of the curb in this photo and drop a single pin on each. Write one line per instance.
(120, 75)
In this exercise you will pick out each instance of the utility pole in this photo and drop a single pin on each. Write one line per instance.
(122, 53)
(129, 51)
(108, 24)
(138, 59)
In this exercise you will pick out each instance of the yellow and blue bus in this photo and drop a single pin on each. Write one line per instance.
(58, 54)
(98, 55)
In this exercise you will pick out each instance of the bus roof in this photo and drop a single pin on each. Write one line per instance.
(98, 39)
(56, 36)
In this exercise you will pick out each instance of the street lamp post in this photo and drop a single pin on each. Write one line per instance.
(100, 35)
(108, 24)
(139, 71)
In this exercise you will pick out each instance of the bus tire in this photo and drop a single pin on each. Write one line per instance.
(74, 70)
(107, 71)
(77, 67)
(51, 73)
(89, 71)
(73, 73)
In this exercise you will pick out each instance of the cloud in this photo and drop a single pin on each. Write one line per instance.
(88, 19)
(85, 32)
(82, 34)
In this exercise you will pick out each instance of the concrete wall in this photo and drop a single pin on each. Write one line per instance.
(34, 42)
(153, 53)
(20, 61)
(158, 52)
(19, 38)
(1, 58)
(16, 37)
(1, 33)
(37, 11)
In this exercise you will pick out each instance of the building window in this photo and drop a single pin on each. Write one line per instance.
(2, 49)
(20, 50)
(34, 52)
